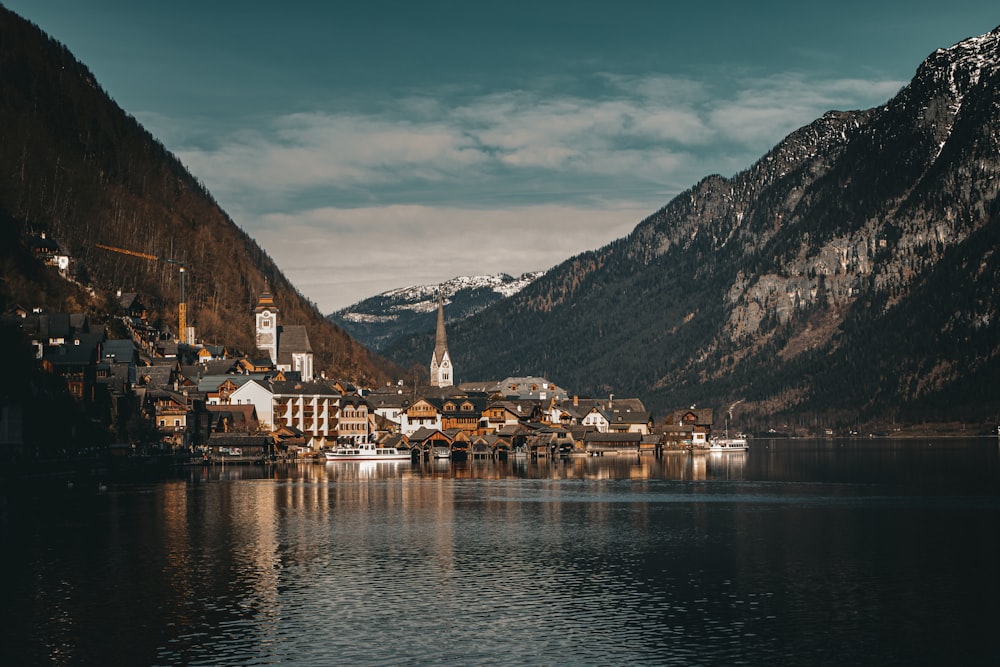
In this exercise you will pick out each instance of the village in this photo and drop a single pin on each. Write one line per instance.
(153, 392)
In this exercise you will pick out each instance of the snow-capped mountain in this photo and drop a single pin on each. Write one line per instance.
(381, 319)
(849, 274)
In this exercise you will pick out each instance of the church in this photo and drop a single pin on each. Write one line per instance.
(288, 345)
(442, 373)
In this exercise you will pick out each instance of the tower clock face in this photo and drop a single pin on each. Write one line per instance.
(264, 338)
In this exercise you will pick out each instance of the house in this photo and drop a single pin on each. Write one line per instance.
(691, 426)
(463, 413)
(134, 309)
(48, 251)
(242, 445)
(218, 389)
(548, 441)
(354, 426)
(612, 443)
(627, 421)
(170, 411)
(288, 440)
(422, 413)
(75, 361)
(388, 405)
(597, 418)
(257, 393)
(501, 413)
(397, 440)
(530, 388)
(425, 439)
(231, 419)
(311, 407)
(255, 364)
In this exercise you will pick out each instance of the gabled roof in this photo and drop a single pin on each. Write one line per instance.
(123, 351)
(353, 400)
(157, 395)
(292, 339)
(387, 400)
(41, 243)
(423, 433)
(159, 375)
(478, 405)
(289, 388)
(81, 350)
(218, 366)
(240, 417)
(79, 322)
(58, 325)
(629, 417)
(701, 416)
(128, 299)
(433, 402)
(255, 382)
(394, 440)
(529, 387)
(213, 382)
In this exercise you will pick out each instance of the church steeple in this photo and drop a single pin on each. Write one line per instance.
(266, 325)
(441, 370)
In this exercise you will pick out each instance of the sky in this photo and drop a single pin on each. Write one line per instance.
(373, 145)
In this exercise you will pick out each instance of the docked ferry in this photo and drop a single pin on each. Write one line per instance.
(366, 452)
(737, 444)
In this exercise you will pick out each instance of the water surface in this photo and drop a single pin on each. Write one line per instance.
(797, 552)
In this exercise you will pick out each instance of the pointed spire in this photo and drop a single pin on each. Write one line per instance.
(441, 339)
(441, 370)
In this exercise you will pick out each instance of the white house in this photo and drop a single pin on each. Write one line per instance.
(259, 395)
(597, 419)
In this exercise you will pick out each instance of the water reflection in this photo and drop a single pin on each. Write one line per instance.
(791, 552)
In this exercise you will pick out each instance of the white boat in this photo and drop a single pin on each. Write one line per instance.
(441, 452)
(728, 445)
(725, 443)
(366, 452)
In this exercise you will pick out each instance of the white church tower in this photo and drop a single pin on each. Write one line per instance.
(442, 374)
(266, 316)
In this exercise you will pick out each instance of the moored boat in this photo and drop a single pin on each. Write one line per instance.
(728, 445)
(366, 452)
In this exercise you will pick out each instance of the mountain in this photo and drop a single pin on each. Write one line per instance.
(79, 168)
(849, 274)
(377, 322)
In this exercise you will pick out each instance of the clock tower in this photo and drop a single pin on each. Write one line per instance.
(266, 316)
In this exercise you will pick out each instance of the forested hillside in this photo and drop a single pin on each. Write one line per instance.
(81, 169)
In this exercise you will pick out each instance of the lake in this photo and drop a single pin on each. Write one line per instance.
(863, 552)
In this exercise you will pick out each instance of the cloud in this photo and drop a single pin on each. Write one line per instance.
(445, 184)
(340, 256)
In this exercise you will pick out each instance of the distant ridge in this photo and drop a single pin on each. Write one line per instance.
(380, 320)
